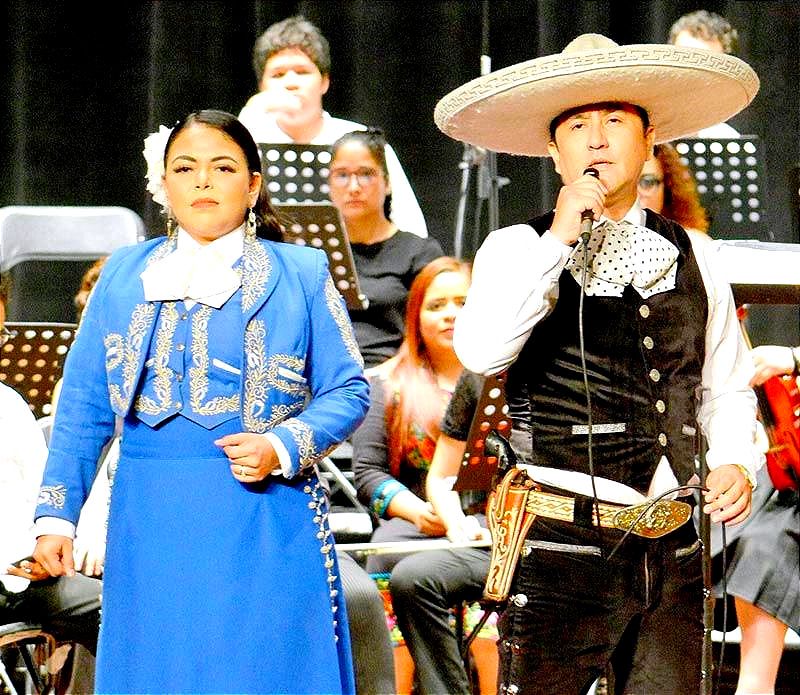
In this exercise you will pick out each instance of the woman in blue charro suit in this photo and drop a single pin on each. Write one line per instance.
(231, 362)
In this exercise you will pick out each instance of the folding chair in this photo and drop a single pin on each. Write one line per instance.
(47, 249)
(29, 651)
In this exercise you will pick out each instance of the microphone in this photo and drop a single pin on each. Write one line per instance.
(587, 217)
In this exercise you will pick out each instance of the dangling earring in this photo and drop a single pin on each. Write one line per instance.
(251, 226)
(172, 230)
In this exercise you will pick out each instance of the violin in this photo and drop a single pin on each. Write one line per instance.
(779, 411)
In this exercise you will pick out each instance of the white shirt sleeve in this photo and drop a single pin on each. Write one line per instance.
(406, 212)
(727, 413)
(23, 453)
(514, 286)
(285, 461)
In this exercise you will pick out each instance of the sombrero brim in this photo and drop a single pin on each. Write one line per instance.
(682, 89)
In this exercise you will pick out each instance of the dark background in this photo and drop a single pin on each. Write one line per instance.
(84, 83)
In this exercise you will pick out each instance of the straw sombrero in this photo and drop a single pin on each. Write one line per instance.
(682, 90)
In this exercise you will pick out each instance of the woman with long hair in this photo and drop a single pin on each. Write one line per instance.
(393, 449)
(667, 186)
(231, 361)
(386, 258)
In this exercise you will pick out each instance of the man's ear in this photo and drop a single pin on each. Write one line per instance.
(326, 83)
(650, 140)
(552, 150)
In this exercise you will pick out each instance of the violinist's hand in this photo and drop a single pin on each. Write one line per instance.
(275, 100)
(252, 457)
(728, 496)
(585, 193)
(771, 360)
(89, 554)
(28, 569)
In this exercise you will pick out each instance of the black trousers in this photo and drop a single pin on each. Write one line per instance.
(573, 610)
(67, 607)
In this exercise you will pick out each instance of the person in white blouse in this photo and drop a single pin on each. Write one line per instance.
(292, 64)
(68, 607)
(613, 322)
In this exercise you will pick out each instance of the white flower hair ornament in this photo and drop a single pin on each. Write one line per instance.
(154, 146)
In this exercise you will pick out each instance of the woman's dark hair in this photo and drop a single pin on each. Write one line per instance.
(267, 225)
(375, 142)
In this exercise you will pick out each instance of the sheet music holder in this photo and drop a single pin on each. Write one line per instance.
(296, 173)
(32, 361)
(491, 414)
(320, 226)
(731, 183)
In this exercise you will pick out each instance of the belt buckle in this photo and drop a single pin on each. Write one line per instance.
(661, 518)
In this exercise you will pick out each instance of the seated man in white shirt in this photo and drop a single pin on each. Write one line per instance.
(292, 64)
(703, 29)
(614, 323)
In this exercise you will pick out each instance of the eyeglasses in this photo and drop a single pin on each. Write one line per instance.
(647, 182)
(341, 177)
(6, 335)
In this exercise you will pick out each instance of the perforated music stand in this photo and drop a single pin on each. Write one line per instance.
(296, 173)
(731, 183)
(491, 414)
(32, 361)
(320, 226)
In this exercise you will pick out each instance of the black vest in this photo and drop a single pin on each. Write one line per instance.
(644, 359)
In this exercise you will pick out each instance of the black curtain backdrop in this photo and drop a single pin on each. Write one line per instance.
(84, 83)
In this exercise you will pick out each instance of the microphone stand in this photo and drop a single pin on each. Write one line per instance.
(471, 157)
(488, 183)
(704, 532)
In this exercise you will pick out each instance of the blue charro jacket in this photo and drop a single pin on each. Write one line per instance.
(302, 376)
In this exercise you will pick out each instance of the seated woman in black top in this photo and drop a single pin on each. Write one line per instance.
(386, 259)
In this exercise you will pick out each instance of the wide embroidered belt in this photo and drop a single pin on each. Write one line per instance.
(518, 500)
(649, 519)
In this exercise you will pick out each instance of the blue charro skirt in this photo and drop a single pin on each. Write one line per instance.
(214, 586)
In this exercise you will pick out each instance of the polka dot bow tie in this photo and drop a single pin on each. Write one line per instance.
(620, 254)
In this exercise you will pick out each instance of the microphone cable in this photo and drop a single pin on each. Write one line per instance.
(585, 373)
(724, 558)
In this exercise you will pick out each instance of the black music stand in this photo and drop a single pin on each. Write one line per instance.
(320, 226)
(731, 183)
(32, 361)
(479, 465)
(296, 173)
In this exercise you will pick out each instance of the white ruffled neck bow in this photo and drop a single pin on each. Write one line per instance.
(623, 253)
(197, 273)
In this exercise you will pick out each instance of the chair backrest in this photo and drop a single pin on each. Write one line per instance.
(32, 361)
(47, 249)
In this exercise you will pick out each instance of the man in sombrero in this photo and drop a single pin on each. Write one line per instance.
(625, 339)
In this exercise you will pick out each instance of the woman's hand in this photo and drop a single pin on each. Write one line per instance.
(428, 521)
(771, 360)
(54, 553)
(251, 455)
